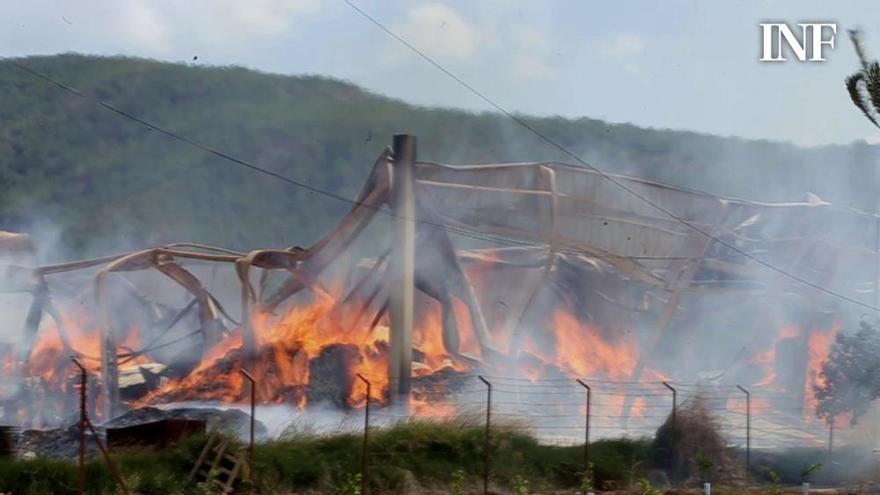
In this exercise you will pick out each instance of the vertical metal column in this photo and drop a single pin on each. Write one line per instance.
(109, 366)
(91, 401)
(32, 320)
(110, 374)
(249, 341)
(402, 266)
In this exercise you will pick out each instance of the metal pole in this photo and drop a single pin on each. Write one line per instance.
(113, 469)
(748, 432)
(83, 379)
(488, 438)
(365, 463)
(33, 318)
(830, 438)
(251, 466)
(587, 427)
(674, 403)
(109, 364)
(876, 263)
(84, 421)
(830, 451)
(401, 268)
(673, 433)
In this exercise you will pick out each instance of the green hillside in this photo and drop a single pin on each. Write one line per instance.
(108, 183)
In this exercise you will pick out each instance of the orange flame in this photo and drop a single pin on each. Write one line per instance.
(819, 344)
(581, 350)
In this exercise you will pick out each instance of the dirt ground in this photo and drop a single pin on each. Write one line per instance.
(788, 490)
(763, 490)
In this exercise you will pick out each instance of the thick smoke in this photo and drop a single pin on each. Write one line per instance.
(714, 339)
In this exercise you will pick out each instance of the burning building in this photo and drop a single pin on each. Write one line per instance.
(531, 271)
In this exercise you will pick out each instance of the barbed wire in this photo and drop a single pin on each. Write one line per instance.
(554, 410)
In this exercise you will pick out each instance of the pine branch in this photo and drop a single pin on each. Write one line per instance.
(854, 85)
(864, 86)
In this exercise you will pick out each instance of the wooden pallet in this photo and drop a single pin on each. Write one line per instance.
(217, 459)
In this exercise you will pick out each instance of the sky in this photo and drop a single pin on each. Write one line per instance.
(680, 64)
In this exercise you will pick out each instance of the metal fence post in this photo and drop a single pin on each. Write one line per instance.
(673, 434)
(83, 380)
(365, 463)
(251, 468)
(748, 432)
(113, 469)
(587, 427)
(86, 422)
(674, 403)
(488, 438)
(830, 451)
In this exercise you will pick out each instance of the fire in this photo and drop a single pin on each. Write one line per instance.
(581, 350)
(617, 404)
(533, 369)
(766, 360)
(638, 407)
(286, 349)
(8, 363)
(49, 371)
(819, 344)
(290, 346)
(49, 359)
(789, 332)
(424, 408)
(308, 352)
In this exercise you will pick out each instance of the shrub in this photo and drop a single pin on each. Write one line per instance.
(693, 444)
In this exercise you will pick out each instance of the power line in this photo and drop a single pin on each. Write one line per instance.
(464, 232)
(176, 136)
(226, 156)
(455, 230)
(618, 183)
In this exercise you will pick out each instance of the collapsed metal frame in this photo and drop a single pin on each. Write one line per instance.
(569, 209)
(303, 266)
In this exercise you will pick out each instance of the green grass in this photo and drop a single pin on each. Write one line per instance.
(146, 472)
(427, 453)
(434, 454)
(443, 455)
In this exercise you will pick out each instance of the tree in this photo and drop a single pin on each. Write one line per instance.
(103, 184)
(850, 377)
(864, 85)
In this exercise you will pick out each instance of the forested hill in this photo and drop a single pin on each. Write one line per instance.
(108, 182)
